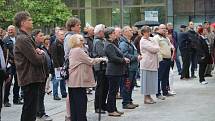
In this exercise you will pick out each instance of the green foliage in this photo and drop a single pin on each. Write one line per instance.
(45, 13)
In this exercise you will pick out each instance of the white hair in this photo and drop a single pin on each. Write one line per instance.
(11, 26)
(98, 28)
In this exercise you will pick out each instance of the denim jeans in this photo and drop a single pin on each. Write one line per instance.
(128, 88)
(55, 86)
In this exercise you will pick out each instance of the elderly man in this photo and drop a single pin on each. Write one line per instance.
(9, 43)
(164, 65)
(129, 51)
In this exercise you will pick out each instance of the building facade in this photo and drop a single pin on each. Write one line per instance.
(127, 12)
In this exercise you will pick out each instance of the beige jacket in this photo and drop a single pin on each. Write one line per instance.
(80, 69)
(149, 51)
(165, 46)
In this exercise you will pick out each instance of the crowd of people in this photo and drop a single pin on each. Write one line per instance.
(108, 60)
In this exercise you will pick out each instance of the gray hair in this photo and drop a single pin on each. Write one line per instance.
(98, 28)
(145, 29)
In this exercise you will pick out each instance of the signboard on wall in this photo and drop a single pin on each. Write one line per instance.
(151, 15)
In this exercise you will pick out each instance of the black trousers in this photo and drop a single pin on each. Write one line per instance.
(101, 90)
(202, 68)
(31, 96)
(40, 105)
(78, 104)
(163, 76)
(186, 56)
(1, 85)
(16, 88)
(112, 91)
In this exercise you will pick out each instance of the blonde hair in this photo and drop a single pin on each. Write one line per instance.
(74, 40)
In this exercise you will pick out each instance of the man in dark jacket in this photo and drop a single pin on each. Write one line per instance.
(193, 37)
(38, 36)
(184, 46)
(57, 53)
(30, 62)
(9, 43)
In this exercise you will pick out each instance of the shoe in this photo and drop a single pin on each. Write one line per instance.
(137, 85)
(172, 92)
(160, 97)
(49, 92)
(17, 102)
(136, 105)
(67, 118)
(64, 96)
(168, 94)
(204, 82)
(89, 91)
(7, 104)
(148, 102)
(208, 75)
(101, 111)
(44, 118)
(120, 112)
(193, 76)
(129, 106)
(114, 114)
(57, 98)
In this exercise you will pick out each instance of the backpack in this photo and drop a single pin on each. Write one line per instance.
(64, 72)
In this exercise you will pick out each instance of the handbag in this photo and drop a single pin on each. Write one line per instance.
(64, 72)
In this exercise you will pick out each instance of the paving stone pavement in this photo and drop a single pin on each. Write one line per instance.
(193, 102)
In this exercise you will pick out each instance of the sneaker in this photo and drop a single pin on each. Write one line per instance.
(129, 106)
(45, 118)
(204, 82)
(136, 105)
(168, 94)
(17, 102)
(172, 92)
(7, 104)
(57, 98)
(160, 97)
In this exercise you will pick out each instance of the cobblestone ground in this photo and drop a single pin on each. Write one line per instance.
(193, 102)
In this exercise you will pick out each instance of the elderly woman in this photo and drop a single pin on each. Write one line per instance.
(114, 70)
(148, 65)
(80, 77)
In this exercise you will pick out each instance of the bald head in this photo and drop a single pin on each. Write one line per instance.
(162, 29)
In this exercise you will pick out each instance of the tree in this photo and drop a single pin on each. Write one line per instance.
(45, 13)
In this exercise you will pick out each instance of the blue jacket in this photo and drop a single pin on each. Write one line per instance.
(129, 51)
